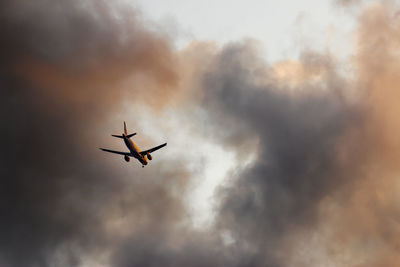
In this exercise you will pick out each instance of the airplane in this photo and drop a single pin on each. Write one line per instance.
(133, 149)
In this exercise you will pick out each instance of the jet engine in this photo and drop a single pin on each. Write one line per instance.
(127, 159)
(149, 156)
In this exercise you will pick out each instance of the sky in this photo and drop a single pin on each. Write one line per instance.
(282, 28)
(281, 120)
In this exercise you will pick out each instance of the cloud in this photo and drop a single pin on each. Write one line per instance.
(299, 135)
(348, 2)
(327, 163)
(322, 186)
(63, 66)
(73, 49)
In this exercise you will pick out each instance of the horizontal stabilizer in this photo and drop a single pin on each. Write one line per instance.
(120, 136)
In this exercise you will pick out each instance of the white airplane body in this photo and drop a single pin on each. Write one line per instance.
(134, 151)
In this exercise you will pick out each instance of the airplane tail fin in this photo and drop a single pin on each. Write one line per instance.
(119, 136)
(125, 132)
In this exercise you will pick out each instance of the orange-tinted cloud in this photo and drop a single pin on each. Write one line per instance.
(321, 190)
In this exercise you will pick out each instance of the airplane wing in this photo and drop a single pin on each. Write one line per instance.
(152, 149)
(116, 152)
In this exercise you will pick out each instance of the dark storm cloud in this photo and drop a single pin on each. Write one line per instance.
(326, 161)
(66, 33)
(177, 249)
(74, 49)
(298, 136)
(60, 63)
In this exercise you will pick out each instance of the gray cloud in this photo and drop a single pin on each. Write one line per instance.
(60, 65)
(297, 162)
(318, 151)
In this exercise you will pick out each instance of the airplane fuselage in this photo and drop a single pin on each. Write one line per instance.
(135, 152)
